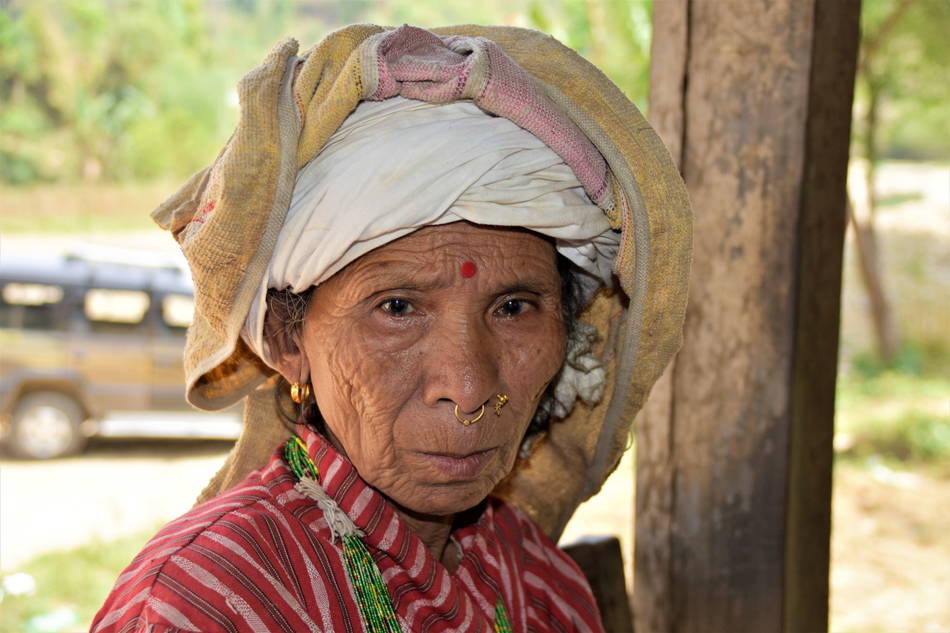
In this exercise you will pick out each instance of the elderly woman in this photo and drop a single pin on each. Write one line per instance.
(452, 263)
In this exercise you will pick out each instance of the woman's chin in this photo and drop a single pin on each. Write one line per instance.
(440, 483)
(444, 499)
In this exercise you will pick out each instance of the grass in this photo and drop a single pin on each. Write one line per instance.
(70, 586)
(898, 412)
(80, 207)
(896, 199)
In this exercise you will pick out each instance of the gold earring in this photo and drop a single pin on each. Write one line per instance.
(299, 393)
(502, 401)
(473, 420)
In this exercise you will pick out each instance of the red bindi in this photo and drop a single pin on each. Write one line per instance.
(469, 269)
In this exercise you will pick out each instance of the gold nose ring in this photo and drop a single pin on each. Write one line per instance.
(473, 420)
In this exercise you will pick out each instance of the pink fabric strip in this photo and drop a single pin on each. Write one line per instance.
(417, 64)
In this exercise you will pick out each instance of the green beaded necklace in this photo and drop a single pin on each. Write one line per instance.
(375, 605)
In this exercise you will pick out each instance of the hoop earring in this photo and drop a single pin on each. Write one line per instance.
(299, 393)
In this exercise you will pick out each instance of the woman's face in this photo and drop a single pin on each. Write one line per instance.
(400, 336)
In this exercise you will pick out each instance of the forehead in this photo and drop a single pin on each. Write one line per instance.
(437, 249)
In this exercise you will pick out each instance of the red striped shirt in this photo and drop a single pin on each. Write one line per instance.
(260, 558)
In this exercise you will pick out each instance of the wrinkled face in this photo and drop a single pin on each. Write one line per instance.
(448, 315)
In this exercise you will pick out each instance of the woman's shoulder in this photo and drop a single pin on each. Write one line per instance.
(550, 576)
(513, 525)
(196, 570)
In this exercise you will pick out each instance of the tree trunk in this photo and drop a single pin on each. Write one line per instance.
(886, 335)
(882, 319)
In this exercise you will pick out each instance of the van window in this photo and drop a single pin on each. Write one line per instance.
(177, 311)
(115, 311)
(29, 306)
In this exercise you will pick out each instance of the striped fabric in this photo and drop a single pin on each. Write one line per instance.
(260, 558)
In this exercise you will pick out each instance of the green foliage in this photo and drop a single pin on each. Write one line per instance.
(113, 91)
(913, 436)
(905, 54)
(613, 34)
(125, 90)
(896, 199)
(433, 13)
(914, 359)
(76, 580)
(898, 410)
(136, 89)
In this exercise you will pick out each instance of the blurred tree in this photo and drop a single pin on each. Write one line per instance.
(138, 89)
(613, 34)
(431, 13)
(902, 89)
(92, 92)
(902, 92)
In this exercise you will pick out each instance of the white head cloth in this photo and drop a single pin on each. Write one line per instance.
(397, 165)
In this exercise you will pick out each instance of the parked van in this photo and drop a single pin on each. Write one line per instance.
(94, 347)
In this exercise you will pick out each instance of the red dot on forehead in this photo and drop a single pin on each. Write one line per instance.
(468, 269)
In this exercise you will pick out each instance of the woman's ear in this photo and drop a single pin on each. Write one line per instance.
(283, 335)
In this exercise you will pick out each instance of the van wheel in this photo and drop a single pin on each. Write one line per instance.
(46, 424)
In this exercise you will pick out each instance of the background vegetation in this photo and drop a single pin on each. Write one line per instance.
(133, 90)
(110, 91)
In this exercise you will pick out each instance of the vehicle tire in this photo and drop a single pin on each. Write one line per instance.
(45, 425)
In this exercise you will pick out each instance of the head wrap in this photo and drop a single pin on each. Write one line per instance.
(228, 219)
(397, 165)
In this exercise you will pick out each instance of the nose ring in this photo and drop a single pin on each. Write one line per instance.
(471, 421)
(502, 401)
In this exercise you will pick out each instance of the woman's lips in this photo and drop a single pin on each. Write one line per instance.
(459, 466)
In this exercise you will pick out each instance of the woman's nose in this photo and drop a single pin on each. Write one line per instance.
(462, 366)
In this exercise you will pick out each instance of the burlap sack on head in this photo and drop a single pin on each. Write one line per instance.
(227, 218)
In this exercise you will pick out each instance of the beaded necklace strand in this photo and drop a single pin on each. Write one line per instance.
(372, 596)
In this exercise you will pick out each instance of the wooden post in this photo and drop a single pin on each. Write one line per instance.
(601, 561)
(734, 450)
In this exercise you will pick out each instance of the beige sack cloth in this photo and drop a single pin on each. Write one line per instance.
(227, 217)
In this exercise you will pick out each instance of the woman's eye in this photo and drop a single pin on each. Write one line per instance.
(513, 307)
(397, 307)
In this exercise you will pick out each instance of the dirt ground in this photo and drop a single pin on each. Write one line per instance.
(116, 488)
(890, 546)
(890, 551)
